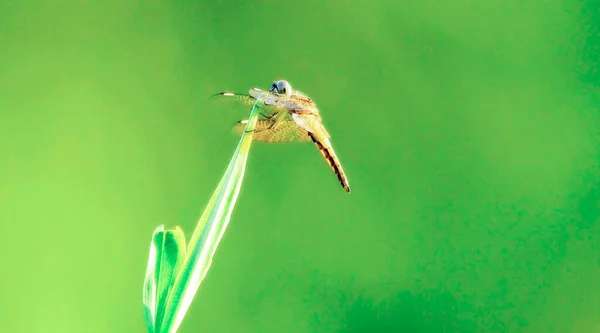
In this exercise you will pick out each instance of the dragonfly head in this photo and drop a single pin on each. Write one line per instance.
(281, 87)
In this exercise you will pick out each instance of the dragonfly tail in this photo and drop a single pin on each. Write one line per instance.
(327, 151)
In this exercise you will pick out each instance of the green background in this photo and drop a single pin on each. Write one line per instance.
(468, 129)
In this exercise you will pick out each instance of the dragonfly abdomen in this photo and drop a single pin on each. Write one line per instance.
(329, 155)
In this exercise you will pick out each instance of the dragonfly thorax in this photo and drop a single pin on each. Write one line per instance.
(281, 87)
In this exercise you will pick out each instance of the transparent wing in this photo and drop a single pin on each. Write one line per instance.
(293, 102)
(243, 99)
(285, 131)
(311, 123)
(264, 95)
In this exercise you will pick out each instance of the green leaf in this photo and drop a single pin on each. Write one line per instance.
(167, 252)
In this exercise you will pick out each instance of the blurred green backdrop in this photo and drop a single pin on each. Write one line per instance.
(468, 130)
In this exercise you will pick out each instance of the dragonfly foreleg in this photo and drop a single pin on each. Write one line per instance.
(273, 115)
(271, 127)
(275, 118)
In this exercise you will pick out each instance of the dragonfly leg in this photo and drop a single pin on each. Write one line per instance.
(261, 130)
(263, 114)
(275, 120)
(273, 115)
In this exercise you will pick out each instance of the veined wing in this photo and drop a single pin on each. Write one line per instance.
(311, 123)
(285, 131)
(293, 102)
(267, 97)
(243, 99)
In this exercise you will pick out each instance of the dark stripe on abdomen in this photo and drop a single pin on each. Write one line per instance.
(332, 161)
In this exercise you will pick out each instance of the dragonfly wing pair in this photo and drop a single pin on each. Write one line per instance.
(285, 131)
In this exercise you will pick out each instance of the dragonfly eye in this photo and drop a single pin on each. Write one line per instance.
(282, 87)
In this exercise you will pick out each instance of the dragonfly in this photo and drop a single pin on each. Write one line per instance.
(288, 116)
